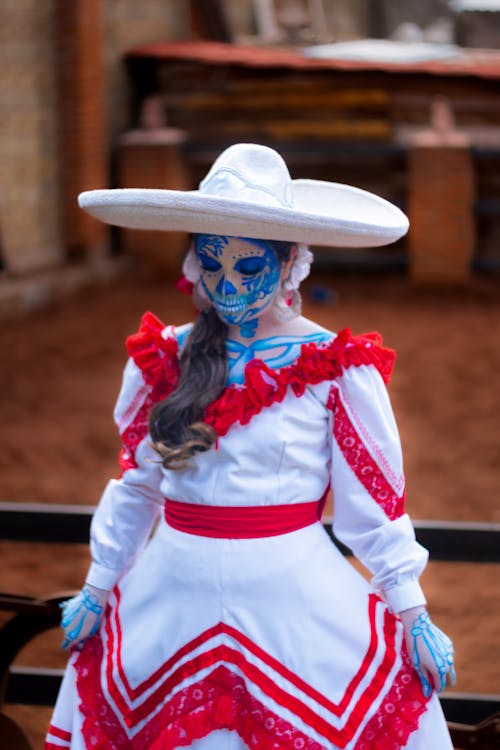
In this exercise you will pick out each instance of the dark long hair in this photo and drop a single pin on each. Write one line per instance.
(176, 423)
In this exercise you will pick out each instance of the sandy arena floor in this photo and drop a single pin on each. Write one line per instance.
(61, 371)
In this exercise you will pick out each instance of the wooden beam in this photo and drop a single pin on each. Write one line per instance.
(459, 541)
(39, 522)
(33, 686)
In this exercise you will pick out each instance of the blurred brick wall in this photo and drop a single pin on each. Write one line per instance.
(29, 215)
(83, 142)
(33, 230)
(129, 23)
(441, 198)
(38, 231)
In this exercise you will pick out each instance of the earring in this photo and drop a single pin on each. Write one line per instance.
(288, 303)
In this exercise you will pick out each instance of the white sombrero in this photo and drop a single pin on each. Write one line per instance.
(248, 192)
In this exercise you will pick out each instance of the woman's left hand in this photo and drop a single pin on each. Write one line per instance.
(81, 615)
(431, 651)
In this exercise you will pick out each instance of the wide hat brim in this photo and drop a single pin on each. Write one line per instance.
(324, 213)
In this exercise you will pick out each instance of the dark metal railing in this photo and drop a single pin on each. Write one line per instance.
(455, 541)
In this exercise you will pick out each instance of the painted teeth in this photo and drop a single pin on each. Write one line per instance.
(237, 307)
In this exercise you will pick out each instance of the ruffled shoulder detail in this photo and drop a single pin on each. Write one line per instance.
(264, 386)
(319, 362)
(154, 349)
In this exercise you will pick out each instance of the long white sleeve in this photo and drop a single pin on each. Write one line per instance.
(368, 487)
(129, 506)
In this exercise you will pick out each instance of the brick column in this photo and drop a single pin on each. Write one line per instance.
(29, 200)
(82, 120)
(151, 157)
(441, 203)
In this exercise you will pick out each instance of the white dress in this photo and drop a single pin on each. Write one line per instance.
(269, 643)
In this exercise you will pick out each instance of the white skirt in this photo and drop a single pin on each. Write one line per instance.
(274, 643)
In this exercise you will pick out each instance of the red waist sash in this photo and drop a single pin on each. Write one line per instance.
(241, 522)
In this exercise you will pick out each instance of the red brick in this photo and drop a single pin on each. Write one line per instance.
(82, 121)
(441, 204)
(153, 159)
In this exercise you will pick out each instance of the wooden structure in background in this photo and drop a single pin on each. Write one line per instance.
(331, 119)
(231, 91)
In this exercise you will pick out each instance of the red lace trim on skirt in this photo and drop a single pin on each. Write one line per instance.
(219, 701)
(222, 701)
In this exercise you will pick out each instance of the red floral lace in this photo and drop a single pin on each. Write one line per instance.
(219, 701)
(362, 464)
(222, 701)
(101, 729)
(399, 714)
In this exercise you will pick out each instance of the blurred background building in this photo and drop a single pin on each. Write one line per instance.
(99, 93)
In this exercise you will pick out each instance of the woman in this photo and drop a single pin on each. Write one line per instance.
(239, 624)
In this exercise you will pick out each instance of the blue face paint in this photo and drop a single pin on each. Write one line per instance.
(240, 277)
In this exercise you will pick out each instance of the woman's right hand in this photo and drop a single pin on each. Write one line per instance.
(82, 615)
(430, 649)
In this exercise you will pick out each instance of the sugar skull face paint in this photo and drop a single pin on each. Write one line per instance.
(240, 277)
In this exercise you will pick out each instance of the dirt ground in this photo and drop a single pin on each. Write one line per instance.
(61, 371)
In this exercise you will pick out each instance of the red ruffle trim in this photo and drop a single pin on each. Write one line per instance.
(153, 354)
(264, 386)
(157, 359)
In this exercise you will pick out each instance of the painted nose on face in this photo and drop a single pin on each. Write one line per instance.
(224, 287)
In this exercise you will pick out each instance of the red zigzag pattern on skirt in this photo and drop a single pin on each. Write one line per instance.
(221, 700)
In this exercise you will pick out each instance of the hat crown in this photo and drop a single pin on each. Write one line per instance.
(251, 173)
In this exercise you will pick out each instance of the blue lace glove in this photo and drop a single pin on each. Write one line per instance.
(431, 651)
(81, 615)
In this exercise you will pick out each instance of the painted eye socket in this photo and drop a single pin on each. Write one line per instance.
(250, 266)
(208, 263)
